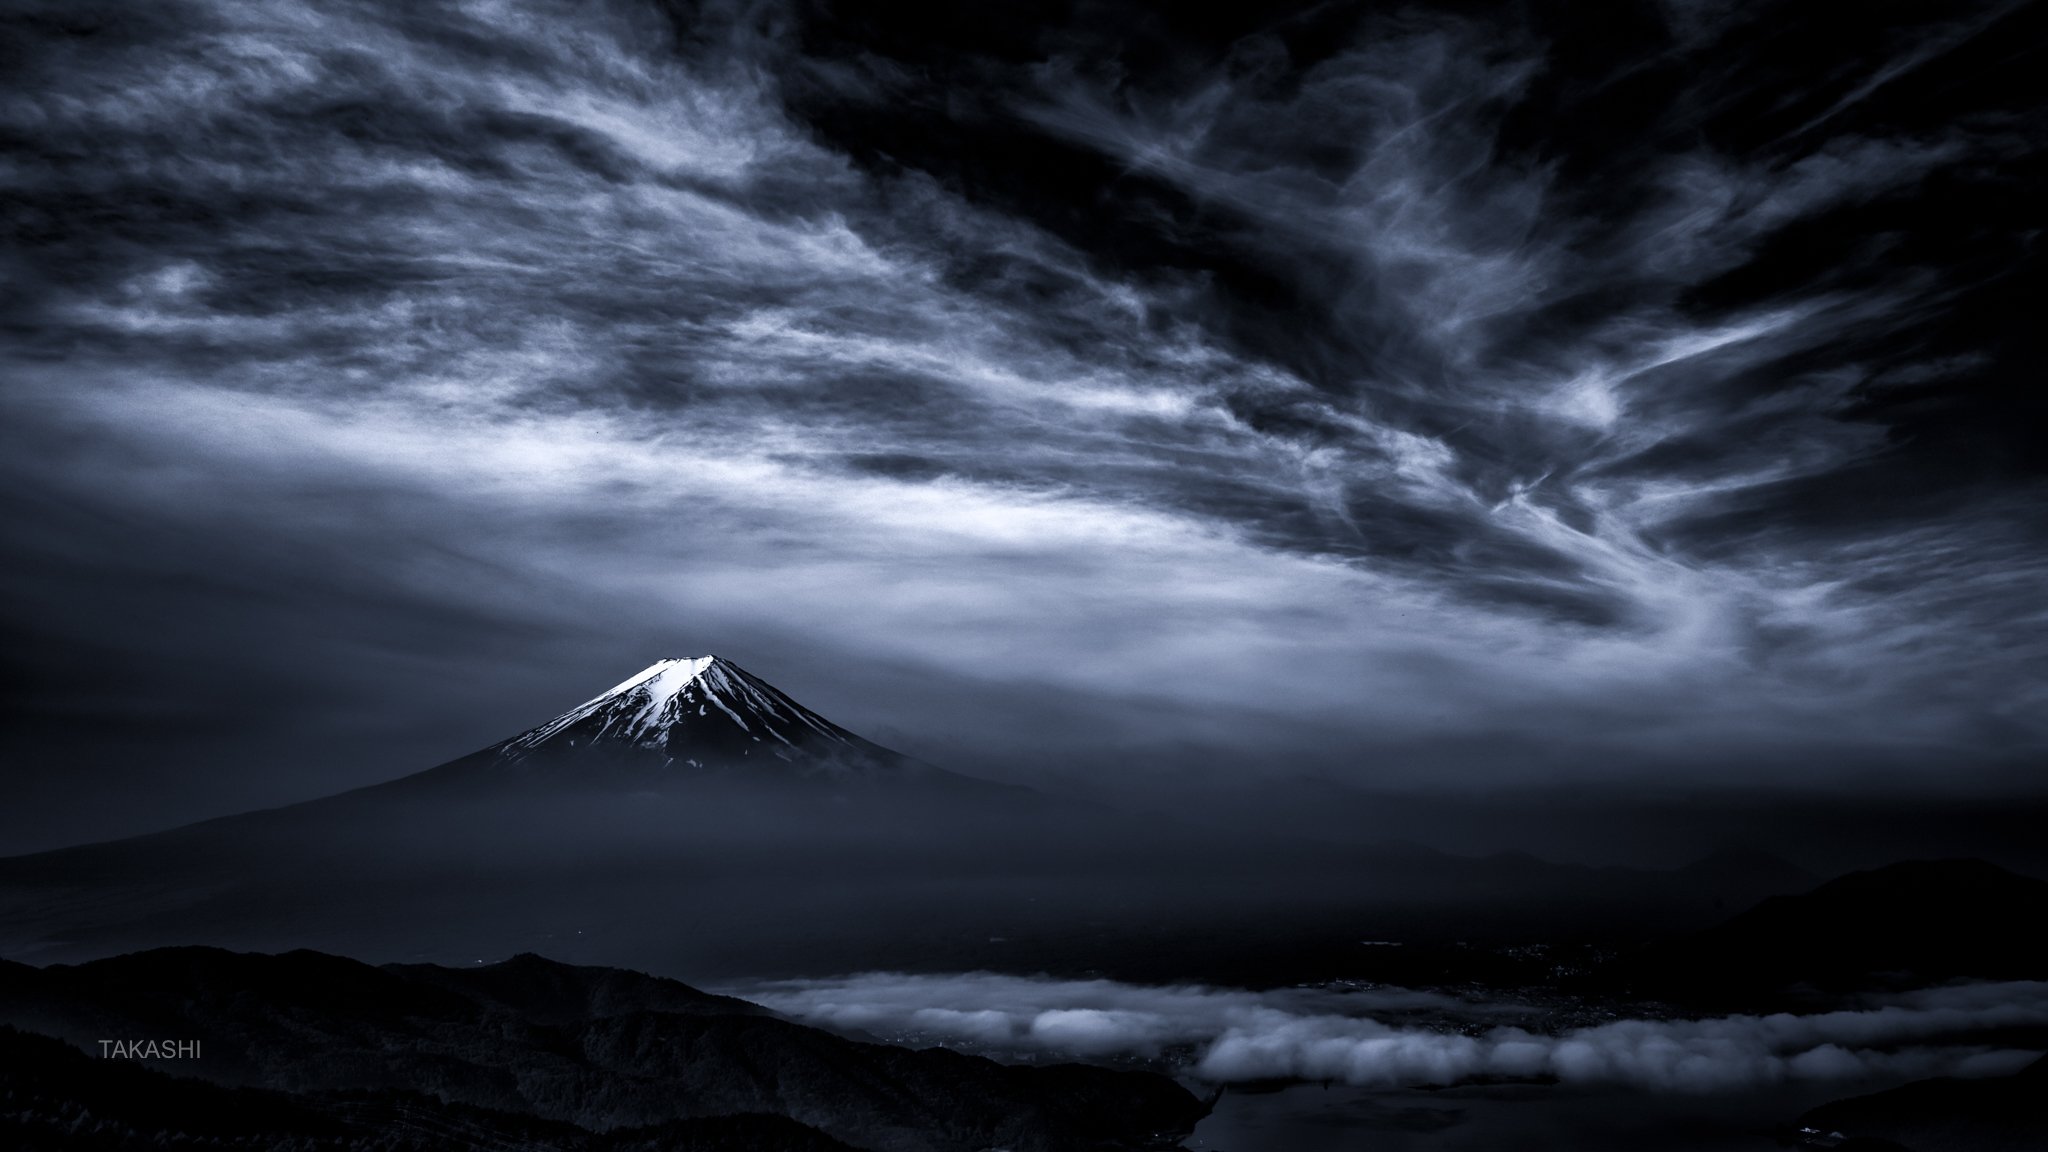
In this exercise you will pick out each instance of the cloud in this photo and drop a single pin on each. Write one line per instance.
(1396, 1037)
(1304, 397)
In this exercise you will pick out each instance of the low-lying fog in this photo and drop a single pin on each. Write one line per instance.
(1387, 1037)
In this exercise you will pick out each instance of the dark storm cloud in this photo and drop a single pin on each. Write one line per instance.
(1623, 390)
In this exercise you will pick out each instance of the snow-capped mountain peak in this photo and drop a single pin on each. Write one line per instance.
(699, 712)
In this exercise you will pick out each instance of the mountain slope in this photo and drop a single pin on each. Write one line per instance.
(685, 722)
(693, 795)
(60, 1098)
(703, 713)
(696, 819)
(595, 1048)
(1901, 925)
(2007, 1114)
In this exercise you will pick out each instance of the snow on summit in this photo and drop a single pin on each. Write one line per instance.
(698, 712)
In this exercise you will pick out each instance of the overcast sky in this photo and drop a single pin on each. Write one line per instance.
(1449, 397)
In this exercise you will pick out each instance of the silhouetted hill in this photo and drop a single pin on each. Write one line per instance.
(594, 1048)
(1897, 926)
(59, 1098)
(2007, 1114)
(1731, 873)
(544, 991)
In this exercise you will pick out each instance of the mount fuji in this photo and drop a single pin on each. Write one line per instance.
(699, 714)
(692, 786)
(695, 816)
(695, 725)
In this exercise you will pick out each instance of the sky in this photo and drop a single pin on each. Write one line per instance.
(1456, 398)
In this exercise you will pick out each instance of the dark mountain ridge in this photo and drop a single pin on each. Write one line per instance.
(60, 1098)
(2002, 1114)
(1904, 925)
(599, 1049)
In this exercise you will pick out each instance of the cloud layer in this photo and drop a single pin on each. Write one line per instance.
(1394, 1037)
(1625, 400)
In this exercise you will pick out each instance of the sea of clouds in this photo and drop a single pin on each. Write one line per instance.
(1393, 1037)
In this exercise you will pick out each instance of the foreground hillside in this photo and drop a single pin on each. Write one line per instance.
(59, 1098)
(2008, 1114)
(567, 1051)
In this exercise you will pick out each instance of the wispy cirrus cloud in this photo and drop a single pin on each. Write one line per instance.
(1295, 395)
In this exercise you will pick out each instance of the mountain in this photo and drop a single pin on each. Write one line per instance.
(2004, 1114)
(696, 752)
(60, 1098)
(1733, 877)
(697, 820)
(696, 715)
(1902, 925)
(693, 817)
(536, 1043)
(694, 798)
(705, 728)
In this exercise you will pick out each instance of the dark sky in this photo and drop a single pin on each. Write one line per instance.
(1458, 398)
